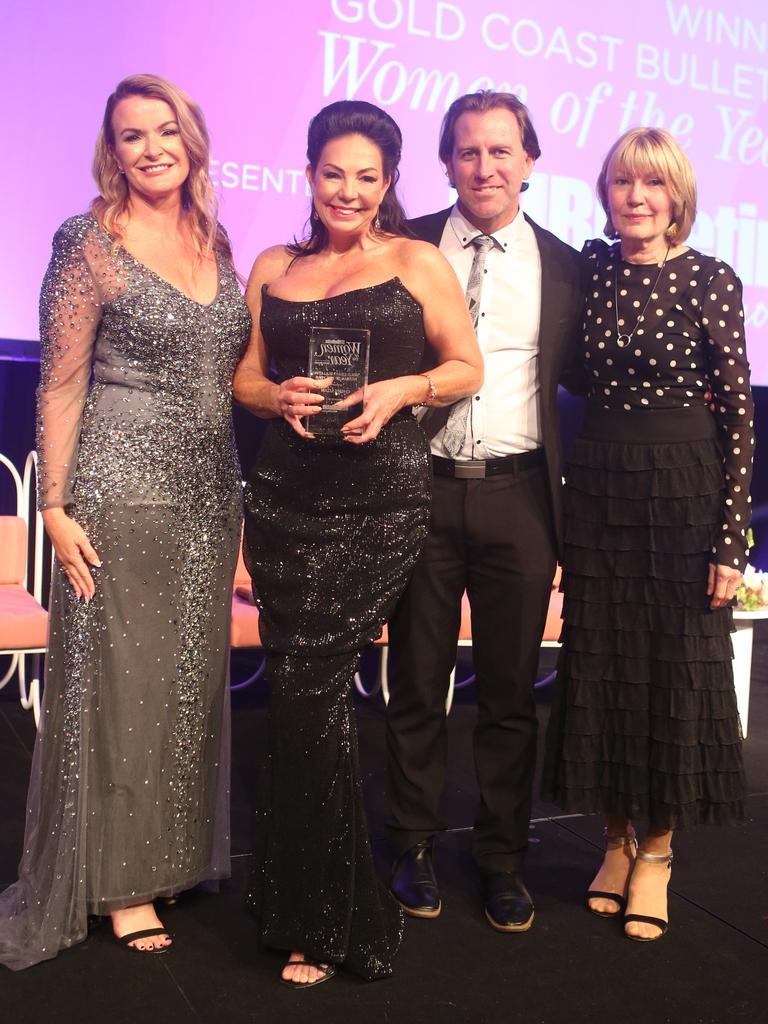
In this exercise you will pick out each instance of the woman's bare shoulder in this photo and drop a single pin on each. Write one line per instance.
(268, 266)
(420, 260)
(271, 263)
(414, 248)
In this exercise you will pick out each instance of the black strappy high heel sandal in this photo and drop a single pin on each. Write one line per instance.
(613, 843)
(662, 925)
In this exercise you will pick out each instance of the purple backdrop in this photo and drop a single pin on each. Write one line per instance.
(260, 70)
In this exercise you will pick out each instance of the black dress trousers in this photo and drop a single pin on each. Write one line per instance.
(493, 537)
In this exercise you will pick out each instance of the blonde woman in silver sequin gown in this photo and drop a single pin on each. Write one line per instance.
(333, 529)
(142, 324)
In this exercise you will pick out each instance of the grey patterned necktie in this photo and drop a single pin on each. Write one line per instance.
(456, 425)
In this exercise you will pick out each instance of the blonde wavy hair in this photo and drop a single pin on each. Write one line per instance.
(198, 197)
(643, 151)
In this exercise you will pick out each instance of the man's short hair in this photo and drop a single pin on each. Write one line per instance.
(479, 103)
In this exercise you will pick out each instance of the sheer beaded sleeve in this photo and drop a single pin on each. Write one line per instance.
(69, 317)
(723, 322)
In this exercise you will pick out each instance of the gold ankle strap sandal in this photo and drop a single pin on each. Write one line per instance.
(615, 842)
(656, 858)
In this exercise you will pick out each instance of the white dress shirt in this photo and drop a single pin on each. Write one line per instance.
(504, 414)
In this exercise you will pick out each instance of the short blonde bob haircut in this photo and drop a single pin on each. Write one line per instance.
(643, 151)
(198, 197)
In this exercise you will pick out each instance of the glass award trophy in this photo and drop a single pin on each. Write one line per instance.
(341, 353)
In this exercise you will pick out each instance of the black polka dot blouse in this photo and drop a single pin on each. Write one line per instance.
(658, 340)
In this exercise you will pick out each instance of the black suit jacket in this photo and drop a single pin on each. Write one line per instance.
(562, 307)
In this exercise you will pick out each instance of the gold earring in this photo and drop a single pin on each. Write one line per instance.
(671, 231)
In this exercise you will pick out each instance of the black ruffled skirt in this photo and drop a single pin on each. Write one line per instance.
(645, 722)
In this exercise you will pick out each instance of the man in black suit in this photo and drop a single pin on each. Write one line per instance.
(496, 518)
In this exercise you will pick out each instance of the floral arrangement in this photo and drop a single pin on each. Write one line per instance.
(752, 595)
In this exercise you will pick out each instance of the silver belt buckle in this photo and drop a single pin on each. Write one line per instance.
(470, 470)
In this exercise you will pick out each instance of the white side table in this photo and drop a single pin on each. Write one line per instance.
(742, 658)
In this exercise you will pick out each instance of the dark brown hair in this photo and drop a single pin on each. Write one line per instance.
(479, 103)
(356, 117)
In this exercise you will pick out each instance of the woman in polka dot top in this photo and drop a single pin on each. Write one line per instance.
(645, 725)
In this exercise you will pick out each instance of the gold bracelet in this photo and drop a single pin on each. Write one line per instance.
(431, 391)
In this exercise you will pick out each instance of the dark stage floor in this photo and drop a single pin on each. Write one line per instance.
(572, 967)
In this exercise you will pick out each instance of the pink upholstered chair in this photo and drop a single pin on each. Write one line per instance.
(23, 620)
(244, 631)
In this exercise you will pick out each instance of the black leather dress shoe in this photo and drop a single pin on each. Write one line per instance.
(508, 904)
(413, 883)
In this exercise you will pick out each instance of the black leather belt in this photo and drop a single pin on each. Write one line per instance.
(478, 469)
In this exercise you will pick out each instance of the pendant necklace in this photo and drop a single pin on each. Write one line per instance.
(622, 340)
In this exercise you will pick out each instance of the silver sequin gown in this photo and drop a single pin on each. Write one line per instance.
(333, 532)
(128, 795)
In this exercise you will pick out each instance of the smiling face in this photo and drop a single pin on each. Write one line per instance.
(148, 147)
(641, 208)
(488, 166)
(348, 184)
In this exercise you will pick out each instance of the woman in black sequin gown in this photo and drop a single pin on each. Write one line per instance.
(645, 722)
(334, 528)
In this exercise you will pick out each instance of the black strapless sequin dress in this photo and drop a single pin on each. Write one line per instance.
(332, 534)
